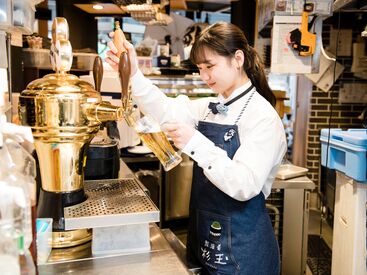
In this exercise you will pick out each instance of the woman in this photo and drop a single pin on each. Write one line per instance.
(237, 147)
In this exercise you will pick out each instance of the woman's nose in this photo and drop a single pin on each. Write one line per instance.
(204, 76)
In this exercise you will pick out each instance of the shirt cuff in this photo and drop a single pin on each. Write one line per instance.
(197, 146)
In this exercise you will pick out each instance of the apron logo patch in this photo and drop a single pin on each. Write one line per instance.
(229, 134)
(211, 250)
(214, 232)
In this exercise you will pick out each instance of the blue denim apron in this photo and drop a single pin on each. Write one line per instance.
(227, 236)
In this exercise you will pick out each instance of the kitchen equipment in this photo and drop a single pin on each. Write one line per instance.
(103, 160)
(119, 211)
(103, 157)
(177, 190)
(345, 151)
(64, 113)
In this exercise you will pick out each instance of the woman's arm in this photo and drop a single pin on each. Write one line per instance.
(148, 97)
(152, 101)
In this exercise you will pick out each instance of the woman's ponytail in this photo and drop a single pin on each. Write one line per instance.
(255, 71)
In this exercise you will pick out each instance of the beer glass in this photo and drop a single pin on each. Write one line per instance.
(151, 134)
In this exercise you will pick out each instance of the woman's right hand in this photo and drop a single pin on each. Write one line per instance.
(113, 60)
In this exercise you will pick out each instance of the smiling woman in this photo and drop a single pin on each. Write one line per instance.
(236, 151)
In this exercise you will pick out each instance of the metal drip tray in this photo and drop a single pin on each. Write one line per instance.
(111, 203)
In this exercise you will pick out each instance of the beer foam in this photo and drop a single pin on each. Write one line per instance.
(155, 129)
(147, 128)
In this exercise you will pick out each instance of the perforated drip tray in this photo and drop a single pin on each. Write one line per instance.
(111, 203)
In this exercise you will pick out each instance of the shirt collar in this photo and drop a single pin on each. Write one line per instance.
(235, 93)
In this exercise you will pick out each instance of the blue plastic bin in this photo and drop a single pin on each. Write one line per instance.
(347, 152)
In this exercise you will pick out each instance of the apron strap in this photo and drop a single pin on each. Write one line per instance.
(244, 107)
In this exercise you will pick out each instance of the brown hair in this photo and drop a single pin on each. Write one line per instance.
(225, 39)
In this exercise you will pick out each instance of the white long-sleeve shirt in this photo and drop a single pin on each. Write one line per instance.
(254, 165)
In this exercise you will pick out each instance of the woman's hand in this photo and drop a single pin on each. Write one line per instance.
(113, 60)
(180, 133)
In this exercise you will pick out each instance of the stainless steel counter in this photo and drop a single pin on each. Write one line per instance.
(160, 260)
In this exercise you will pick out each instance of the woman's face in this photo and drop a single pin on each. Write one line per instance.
(220, 73)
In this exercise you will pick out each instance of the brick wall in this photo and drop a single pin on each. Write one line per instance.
(343, 115)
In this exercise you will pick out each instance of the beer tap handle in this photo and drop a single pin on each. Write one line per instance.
(97, 73)
(124, 63)
(124, 73)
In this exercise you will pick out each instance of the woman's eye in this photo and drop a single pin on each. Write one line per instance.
(206, 67)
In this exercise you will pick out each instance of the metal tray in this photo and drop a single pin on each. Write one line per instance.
(111, 203)
(288, 171)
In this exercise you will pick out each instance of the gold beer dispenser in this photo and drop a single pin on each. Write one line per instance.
(65, 113)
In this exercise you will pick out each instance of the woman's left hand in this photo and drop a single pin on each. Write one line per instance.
(180, 133)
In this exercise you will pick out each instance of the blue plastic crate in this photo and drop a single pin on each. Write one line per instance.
(347, 152)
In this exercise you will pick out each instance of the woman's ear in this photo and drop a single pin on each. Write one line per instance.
(239, 58)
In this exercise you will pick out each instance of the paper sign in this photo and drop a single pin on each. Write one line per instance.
(324, 79)
(16, 38)
(324, 65)
(327, 79)
(284, 59)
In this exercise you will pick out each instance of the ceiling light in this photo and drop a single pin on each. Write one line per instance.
(98, 7)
